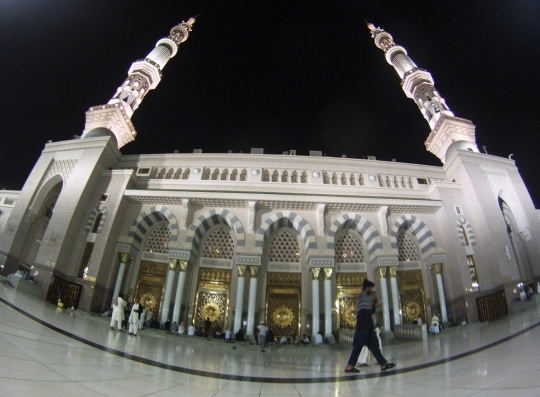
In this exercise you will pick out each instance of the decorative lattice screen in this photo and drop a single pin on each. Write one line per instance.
(284, 248)
(349, 249)
(219, 244)
(406, 247)
(158, 241)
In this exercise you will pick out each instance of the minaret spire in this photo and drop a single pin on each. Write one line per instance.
(419, 86)
(114, 118)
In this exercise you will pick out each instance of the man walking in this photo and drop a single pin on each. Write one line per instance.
(364, 334)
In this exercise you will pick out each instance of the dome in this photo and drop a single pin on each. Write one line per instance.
(460, 145)
(101, 132)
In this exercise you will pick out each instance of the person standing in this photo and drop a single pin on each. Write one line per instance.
(118, 313)
(262, 335)
(136, 311)
(364, 334)
(207, 326)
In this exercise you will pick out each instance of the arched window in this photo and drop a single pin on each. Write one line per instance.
(353, 180)
(284, 248)
(243, 175)
(334, 179)
(411, 186)
(396, 182)
(361, 181)
(186, 173)
(97, 220)
(154, 173)
(285, 176)
(225, 174)
(206, 174)
(234, 175)
(326, 178)
(158, 240)
(169, 174)
(294, 178)
(275, 176)
(388, 183)
(266, 176)
(178, 173)
(219, 244)
(464, 235)
(403, 184)
(343, 179)
(161, 174)
(304, 177)
(349, 249)
(407, 249)
(215, 174)
(381, 181)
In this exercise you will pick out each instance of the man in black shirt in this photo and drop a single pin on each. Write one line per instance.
(364, 334)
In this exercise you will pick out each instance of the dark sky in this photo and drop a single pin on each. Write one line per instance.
(279, 75)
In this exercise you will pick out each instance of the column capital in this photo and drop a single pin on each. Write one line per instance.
(327, 273)
(254, 270)
(382, 272)
(241, 270)
(183, 265)
(315, 272)
(125, 257)
(393, 271)
(437, 268)
(172, 264)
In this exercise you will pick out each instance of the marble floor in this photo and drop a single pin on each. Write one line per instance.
(46, 351)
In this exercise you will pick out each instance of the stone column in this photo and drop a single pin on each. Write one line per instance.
(254, 270)
(328, 304)
(395, 295)
(437, 268)
(168, 291)
(179, 292)
(315, 320)
(239, 299)
(384, 299)
(124, 259)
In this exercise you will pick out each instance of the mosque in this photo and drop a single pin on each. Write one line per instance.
(243, 238)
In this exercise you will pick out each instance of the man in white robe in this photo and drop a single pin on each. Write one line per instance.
(118, 305)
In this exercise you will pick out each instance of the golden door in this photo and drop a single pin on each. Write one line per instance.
(150, 285)
(283, 299)
(349, 286)
(411, 295)
(212, 297)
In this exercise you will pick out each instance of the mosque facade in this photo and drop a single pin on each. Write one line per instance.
(242, 238)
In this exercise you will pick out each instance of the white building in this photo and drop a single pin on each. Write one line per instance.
(285, 239)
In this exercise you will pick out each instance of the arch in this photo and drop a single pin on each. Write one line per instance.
(462, 222)
(104, 211)
(44, 192)
(207, 220)
(419, 230)
(515, 207)
(362, 226)
(290, 219)
(145, 221)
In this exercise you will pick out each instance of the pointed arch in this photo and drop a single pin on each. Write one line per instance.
(419, 230)
(146, 220)
(463, 224)
(207, 220)
(364, 227)
(290, 219)
(104, 211)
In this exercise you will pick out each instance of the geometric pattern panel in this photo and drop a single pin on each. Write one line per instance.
(207, 220)
(406, 247)
(361, 225)
(92, 217)
(286, 219)
(347, 311)
(283, 311)
(284, 248)
(417, 227)
(219, 244)
(158, 241)
(349, 249)
(145, 221)
(465, 232)
(212, 304)
(411, 295)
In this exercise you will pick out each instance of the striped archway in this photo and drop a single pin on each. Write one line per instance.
(207, 220)
(364, 227)
(464, 223)
(146, 220)
(104, 211)
(419, 230)
(290, 219)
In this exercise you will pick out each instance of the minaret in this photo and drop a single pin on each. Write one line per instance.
(114, 118)
(446, 129)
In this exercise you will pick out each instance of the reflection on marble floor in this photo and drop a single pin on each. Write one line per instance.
(39, 361)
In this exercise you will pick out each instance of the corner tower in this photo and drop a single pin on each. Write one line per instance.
(114, 118)
(447, 130)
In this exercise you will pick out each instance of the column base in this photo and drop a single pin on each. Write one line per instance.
(330, 338)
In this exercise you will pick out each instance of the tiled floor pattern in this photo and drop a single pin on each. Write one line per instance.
(38, 361)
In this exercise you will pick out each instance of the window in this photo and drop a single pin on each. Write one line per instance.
(349, 249)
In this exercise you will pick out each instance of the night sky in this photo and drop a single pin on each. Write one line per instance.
(279, 75)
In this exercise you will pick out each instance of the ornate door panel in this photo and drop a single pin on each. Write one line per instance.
(283, 299)
(411, 295)
(212, 297)
(349, 287)
(150, 284)
(283, 311)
